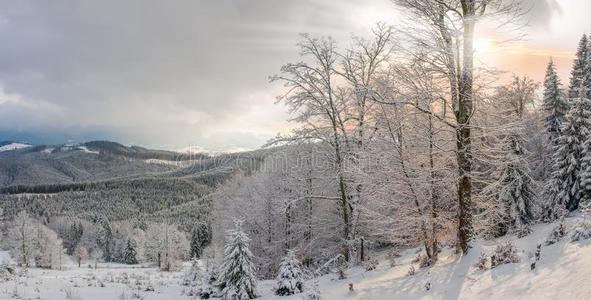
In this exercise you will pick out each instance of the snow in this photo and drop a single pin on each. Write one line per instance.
(562, 273)
(85, 149)
(175, 163)
(48, 150)
(103, 283)
(14, 146)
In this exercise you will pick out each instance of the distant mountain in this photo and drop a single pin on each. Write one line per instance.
(25, 164)
(104, 178)
(10, 146)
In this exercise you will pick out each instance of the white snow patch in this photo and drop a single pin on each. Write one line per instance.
(85, 149)
(48, 150)
(14, 146)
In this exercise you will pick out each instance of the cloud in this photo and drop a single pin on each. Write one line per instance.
(167, 73)
(541, 12)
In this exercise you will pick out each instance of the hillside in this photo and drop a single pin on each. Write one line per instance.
(61, 164)
(561, 273)
(107, 179)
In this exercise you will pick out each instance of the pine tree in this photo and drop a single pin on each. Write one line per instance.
(105, 238)
(565, 186)
(237, 276)
(290, 278)
(585, 96)
(516, 187)
(200, 238)
(554, 104)
(130, 257)
(579, 67)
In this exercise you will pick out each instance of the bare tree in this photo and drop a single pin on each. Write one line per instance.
(446, 36)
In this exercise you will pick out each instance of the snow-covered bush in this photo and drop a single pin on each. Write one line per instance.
(208, 288)
(6, 271)
(313, 293)
(411, 271)
(482, 262)
(522, 231)
(424, 261)
(193, 274)
(504, 254)
(392, 256)
(582, 231)
(370, 264)
(290, 279)
(556, 234)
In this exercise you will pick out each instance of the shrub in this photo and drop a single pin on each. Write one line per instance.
(504, 254)
(392, 256)
(582, 231)
(522, 232)
(370, 264)
(482, 262)
(556, 234)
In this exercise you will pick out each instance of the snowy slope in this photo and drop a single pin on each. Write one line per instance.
(562, 273)
(13, 146)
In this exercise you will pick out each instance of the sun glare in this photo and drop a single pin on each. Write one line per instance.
(482, 45)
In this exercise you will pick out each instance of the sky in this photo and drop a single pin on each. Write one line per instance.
(179, 73)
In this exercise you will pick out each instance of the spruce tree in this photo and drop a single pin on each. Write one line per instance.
(555, 104)
(200, 238)
(579, 67)
(237, 278)
(130, 257)
(565, 186)
(290, 279)
(585, 96)
(105, 238)
(516, 187)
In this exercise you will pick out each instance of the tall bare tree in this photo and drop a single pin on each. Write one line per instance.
(446, 37)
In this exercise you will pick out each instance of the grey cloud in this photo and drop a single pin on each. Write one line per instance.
(542, 11)
(110, 62)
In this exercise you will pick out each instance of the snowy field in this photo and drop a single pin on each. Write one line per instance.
(561, 273)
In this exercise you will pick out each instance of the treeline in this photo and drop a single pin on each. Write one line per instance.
(117, 201)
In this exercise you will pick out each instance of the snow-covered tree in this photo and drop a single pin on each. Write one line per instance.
(49, 248)
(237, 279)
(555, 104)
(30, 243)
(579, 67)
(516, 187)
(565, 187)
(585, 97)
(200, 238)
(166, 246)
(130, 257)
(290, 278)
(80, 253)
(105, 238)
(22, 239)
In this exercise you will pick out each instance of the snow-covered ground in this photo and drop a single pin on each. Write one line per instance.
(13, 146)
(562, 273)
(106, 282)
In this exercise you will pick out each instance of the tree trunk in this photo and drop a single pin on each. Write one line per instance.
(433, 194)
(463, 115)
